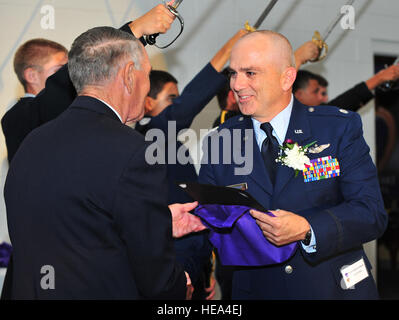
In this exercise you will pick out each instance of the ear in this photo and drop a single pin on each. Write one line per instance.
(128, 76)
(231, 99)
(288, 78)
(31, 76)
(299, 94)
(148, 105)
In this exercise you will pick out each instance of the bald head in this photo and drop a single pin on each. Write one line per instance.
(276, 47)
(262, 73)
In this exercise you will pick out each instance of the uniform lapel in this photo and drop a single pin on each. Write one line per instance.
(298, 131)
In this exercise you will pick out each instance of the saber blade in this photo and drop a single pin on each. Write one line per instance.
(335, 22)
(265, 13)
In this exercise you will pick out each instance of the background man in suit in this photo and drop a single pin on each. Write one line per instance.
(34, 62)
(330, 218)
(80, 195)
(311, 89)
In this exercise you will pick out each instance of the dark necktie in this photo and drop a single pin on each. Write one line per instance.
(270, 150)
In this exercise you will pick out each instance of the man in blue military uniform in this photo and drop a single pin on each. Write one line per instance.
(164, 106)
(330, 215)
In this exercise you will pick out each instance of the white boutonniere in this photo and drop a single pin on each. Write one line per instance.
(294, 156)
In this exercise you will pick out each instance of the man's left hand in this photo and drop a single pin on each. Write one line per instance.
(183, 222)
(284, 228)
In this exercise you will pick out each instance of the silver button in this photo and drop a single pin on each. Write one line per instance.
(311, 109)
(288, 269)
(240, 118)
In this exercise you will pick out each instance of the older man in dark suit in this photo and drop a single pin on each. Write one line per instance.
(331, 206)
(87, 214)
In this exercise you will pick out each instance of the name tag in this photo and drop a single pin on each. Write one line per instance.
(354, 273)
(240, 186)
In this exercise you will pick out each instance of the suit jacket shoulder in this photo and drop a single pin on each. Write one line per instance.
(17, 123)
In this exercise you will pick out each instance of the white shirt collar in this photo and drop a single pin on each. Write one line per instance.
(279, 123)
(111, 109)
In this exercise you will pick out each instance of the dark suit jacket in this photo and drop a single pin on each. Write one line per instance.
(354, 98)
(16, 124)
(344, 211)
(81, 198)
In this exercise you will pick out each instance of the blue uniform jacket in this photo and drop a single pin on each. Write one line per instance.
(344, 211)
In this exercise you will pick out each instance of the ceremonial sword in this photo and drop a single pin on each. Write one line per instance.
(261, 18)
(320, 41)
(171, 6)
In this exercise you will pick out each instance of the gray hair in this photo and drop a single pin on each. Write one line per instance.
(97, 54)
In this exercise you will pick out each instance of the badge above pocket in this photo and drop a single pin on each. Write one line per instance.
(321, 168)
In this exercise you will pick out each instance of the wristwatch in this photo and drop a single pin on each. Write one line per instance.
(308, 236)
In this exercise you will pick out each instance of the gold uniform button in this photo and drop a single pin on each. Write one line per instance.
(288, 269)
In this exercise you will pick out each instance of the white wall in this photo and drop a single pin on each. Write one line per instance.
(208, 24)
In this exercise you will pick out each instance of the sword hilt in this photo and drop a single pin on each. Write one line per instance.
(319, 42)
(151, 39)
(248, 27)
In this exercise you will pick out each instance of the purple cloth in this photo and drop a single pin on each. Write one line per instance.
(238, 238)
(5, 253)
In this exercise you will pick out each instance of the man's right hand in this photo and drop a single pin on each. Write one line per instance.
(183, 222)
(157, 20)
